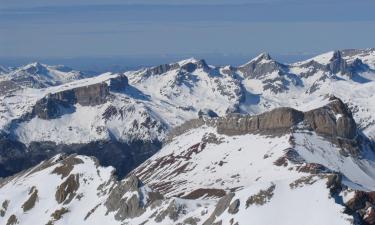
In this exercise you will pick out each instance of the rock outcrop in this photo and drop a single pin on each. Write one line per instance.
(118, 83)
(337, 64)
(333, 120)
(56, 104)
(281, 119)
(126, 199)
(260, 66)
(67, 190)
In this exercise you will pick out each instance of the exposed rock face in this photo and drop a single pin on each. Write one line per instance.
(52, 108)
(16, 157)
(207, 113)
(338, 64)
(118, 83)
(92, 95)
(185, 68)
(261, 198)
(126, 199)
(30, 202)
(280, 119)
(262, 65)
(67, 190)
(362, 206)
(162, 68)
(233, 207)
(190, 67)
(56, 104)
(221, 206)
(333, 120)
(12, 220)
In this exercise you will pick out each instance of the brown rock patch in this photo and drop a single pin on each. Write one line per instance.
(261, 198)
(67, 189)
(30, 202)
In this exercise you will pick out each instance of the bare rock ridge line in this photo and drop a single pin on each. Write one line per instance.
(189, 67)
(55, 104)
(333, 120)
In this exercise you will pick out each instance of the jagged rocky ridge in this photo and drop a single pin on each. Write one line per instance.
(251, 173)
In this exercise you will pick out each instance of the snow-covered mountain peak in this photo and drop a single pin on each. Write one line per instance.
(263, 56)
(189, 60)
(38, 75)
(33, 65)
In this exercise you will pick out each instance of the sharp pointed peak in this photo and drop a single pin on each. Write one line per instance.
(33, 64)
(191, 60)
(337, 54)
(264, 55)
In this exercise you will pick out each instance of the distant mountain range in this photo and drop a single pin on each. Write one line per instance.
(196, 143)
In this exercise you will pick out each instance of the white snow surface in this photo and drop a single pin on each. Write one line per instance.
(308, 202)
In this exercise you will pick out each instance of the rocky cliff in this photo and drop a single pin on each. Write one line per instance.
(332, 120)
(56, 104)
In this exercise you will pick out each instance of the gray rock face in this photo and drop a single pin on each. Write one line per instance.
(15, 156)
(51, 107)
(186, 68)
(333, 120)
(337, 64)
(172, 211)
(118, 83)
(92, 95)
(190, 67)
(280, 119)
(221, 206)
(129, 207)
(162, 68)
(56, 104)
(207, 113)
(261, 67)
(234, 206)
(256, 69)
(67, 190)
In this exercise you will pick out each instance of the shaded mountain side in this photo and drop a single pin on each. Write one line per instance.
(15, 156)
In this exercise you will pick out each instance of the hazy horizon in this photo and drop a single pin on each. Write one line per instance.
(149, 32)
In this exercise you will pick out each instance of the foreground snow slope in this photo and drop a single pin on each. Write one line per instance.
(75, 190)
(230, 170)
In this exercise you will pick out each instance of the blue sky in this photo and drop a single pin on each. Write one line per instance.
(42, 29)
